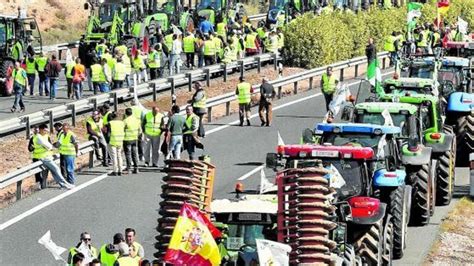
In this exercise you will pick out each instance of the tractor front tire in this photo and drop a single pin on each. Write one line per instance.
(445, 178)
(465, 139)
(369, 244)
(399, 200)
(421, 198)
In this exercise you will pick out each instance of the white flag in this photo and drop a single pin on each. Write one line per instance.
(48, 243)
(280, 140)
(388, 118)
(335, 178)
(462, 25)
(265, 185)
(69, 58)
(381, 146)
(84, 249)
(271, 253)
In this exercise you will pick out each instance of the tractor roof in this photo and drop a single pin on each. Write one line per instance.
(455, 61)
(357, 128)
(244, 206)
(410, 82)
(327, 151)
(393, 107)
(411, 98)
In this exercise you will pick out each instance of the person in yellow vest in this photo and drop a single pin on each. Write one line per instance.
(272, 42)
(251, 46)
(154, 61)
(244, 97)
(20, 83)
(101, 48)
(106, 76)
(68, 150)
(109, 253)
(119, 74)
(422, 41)
(152, 124)
(125, 258)
(390, 47)
(168, 39)
(229, 52)
(219, 44)
(30, 63)
(130, 141)
(94, 133)
(328, 86)
(17, 50)
(86, 241)
(68, 72)
(198, 102)
(122, 48)
(41, 63)
(189, 48)
(191, 127)
(115, 136)
(138, 66)
(136, 248)
(221, 28)
(128, 68)
(281, 39)
(209, 50)
(97, 75)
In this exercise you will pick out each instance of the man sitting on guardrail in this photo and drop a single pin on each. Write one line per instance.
(94, 133)
(42, 150)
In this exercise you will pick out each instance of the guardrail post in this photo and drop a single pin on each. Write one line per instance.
(279, 92)
(208, 76)
(115, 99)
(341, 75)
(311, 83)
(73, 114)
(227, 108)
(190, 81)
(171, 81)
(91, 158)
(275, 61)
(27, 126)
(153, 88)
(51, 120)
(259, 64)
(356, 71)
(241, 66)
(209, 114)
(18, 189)
(295, 87)
(94, 103)
(383, 62)
(225, 73)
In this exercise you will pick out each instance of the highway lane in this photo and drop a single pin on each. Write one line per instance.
(114, 203)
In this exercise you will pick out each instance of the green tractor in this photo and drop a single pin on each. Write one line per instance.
(17, 33)
(281, 11)
(219, 11)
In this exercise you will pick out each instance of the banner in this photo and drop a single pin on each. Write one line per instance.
(271, 253)
(48, 243)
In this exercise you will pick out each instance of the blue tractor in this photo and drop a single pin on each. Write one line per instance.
(389, 175)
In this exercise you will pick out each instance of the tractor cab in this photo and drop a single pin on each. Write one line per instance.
(219, 10)
(425, 67)
(412, 86)
(461, 49)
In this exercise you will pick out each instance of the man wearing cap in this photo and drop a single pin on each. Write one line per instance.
(328, 86)
(267, 93)
(244, 94)
(109, 253)
(125, 259)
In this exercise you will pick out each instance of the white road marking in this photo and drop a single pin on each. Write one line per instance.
(247, 175)
(99, 178)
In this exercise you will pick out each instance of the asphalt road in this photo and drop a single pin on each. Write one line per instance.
(104, 205)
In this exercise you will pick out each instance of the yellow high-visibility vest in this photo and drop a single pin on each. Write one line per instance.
(153, 124)
(65, 145)
(117, 133)
(244, 96)
(329, 83)
(132, 128)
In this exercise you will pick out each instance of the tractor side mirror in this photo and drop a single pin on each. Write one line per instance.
(86, 6)
(347, 113)
(32, 25)
(271, 160)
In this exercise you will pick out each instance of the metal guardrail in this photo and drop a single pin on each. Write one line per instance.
(19, 175)
(153, 87)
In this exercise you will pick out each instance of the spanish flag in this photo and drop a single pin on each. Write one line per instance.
(443, 7)
(192, 242)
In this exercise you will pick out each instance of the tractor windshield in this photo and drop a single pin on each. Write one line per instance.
(240, 235)
(3, 33)
(213, 4)
(422, 71)
(106, 12)
(352, 139)
(455, 76)
(278, 4)
(399, 120)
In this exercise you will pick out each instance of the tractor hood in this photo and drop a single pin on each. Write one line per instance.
(378, 107)
(461, 102)
(357, 128)
(410, 82)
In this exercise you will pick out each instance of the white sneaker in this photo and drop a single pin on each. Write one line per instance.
(68, 185)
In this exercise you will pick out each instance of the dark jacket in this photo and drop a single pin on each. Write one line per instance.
(53, 68)
(370, 52)
(267, 92)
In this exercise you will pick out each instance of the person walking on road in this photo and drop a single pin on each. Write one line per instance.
(154, 61)
(132, 131)
(151, 125)
(69, 73)
(119, 74)
(85, 240)
(79, 75)
(41, 63)
(115, 135)
(94, 133)
(106, 79)
(370, 50)
(198, 103)
(175, 55)
(30, 63)
(20, 83)
(267, 93)
(137, 248)
(52, 71)
(190, 138)
(244, 93)
(328, 86)
(109, 253)
(68, 150)
(176, 126)
(42, 151)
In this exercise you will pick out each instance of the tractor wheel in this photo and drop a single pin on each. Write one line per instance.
(399, 200)
(368, 243)
(433, 182)
(445, 177)
(388, 239)
(350, 257)
(421, 198)
(465, 139)
(6, 69)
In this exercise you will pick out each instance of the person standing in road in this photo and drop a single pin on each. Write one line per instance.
(154, 61)
(20, 83)
(190, 138)
(41, 63)
(115, 135)
(31, 72)
(68, 150)
(175, 55)
(69, 73)
(198, 103)
(97, 75)
(79, 75)
(267, 93)
(119, 74)
(94, 133)
(371, 50)
(328, 86)
(139, 112)
(151, 125)
(189, 46)
(125, 258)
(86, 240)
(132, 131)
(106, 80)
(209, 50)
(42, 151)
(109, 253)
(176, 126)
(52, 71)
(244, 94)
(130, 235)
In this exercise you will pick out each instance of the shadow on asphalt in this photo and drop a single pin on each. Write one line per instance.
(300, 116)
(250, 163)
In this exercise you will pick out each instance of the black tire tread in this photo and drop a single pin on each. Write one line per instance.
(420, 210)
(464, 138)
(368, 246)
(444, 183)
(398, 208)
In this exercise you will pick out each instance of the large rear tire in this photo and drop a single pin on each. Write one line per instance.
(368, 243)
(387, 255)
(399, 200)
(465, 139)
(445, 177)
(421, 198)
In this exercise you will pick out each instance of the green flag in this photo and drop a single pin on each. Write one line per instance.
(414, 11)
(374, 76)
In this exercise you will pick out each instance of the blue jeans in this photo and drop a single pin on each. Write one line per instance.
(55, 171)
(77, 90)
(175, 146)
(31, 82)
(43, 84)
(69, 166)
(175, 63)
(53, 87)
(18, 90)
(104, 87)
